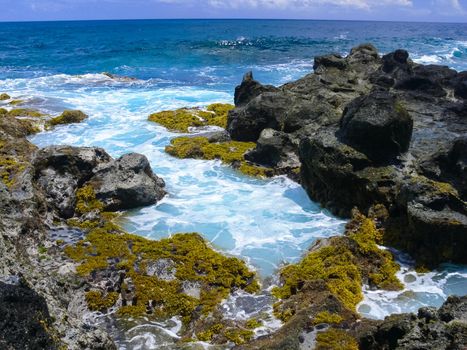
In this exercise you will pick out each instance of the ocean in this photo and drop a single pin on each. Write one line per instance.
(175, 63)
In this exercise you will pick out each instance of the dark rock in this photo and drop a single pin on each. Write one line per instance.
(249, 89)
(126, 183)
(60, 170)
(264, 111)
(397, 60)
(328, 61)
(431, 329)
(377, 125)
(460, 85)
(274, 149)
(25, 318)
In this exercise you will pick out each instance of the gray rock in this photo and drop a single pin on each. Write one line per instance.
(126, 183)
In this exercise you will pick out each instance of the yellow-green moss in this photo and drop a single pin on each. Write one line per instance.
(339, 266)
(367, 236)
(239, 336)
(231, 152)
(208, 334)
(97, 301)
(253, 323)
(327, 317)
(333, 264)
(9, 169)
(184, 118)
(68, 117)
(86, 200)
(194, 261)
(4, 97)
(16, 102)
(283, 314)
(439, 187)
(335, 339)
(25, 112)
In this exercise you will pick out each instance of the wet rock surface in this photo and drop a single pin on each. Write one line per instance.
(445, 328)
(372, 130)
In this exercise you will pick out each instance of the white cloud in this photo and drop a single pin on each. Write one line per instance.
(359, 4)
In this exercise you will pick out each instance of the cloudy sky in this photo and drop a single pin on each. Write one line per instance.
(404, 10)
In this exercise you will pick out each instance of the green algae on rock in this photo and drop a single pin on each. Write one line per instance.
(4, 97)
(230, 152)
(25, 112)
(335, 339)
(184, 259)
(68, 117)
(343, 263)
(182, 119)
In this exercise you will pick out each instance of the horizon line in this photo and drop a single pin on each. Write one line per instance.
(228, 19)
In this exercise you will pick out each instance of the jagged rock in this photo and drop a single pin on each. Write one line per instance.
(377, 125)
(126, 183)
(274, 149)
(60, 170)
(445, 328)
(249, 89)
(25, 319)
(397, 123)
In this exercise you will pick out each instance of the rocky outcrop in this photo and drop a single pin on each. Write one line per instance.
(445, 328)
(68, 117)
(125, 183)
(371, 130)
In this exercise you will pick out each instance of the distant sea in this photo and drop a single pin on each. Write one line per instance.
(54, 66)
(211, 52)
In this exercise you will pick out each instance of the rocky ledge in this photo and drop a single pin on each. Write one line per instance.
(383, 134)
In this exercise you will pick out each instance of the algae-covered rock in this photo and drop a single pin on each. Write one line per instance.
(4, 97)
(229, 152)
(107, 247)
(68, 117)
(181, 120)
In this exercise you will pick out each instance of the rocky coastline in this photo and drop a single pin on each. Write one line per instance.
(377, 139)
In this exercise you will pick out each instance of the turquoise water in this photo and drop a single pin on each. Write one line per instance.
(193, 63)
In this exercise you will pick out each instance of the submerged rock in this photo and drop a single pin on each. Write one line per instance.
(68, 117)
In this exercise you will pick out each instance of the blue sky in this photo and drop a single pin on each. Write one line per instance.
(393, 10)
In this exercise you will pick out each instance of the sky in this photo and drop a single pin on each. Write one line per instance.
(387, 10)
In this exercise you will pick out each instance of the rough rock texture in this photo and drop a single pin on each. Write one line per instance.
(23, 312)
(30, 255)
(125, 183)
(445, 328)
(372, 130)
(377, 126)
(61, 170)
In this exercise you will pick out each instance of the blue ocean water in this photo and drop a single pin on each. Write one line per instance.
(176, 63)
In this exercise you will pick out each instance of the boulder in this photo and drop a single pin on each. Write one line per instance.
(330, 61)
(68, 117)
(127, 182)
(377, 125)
